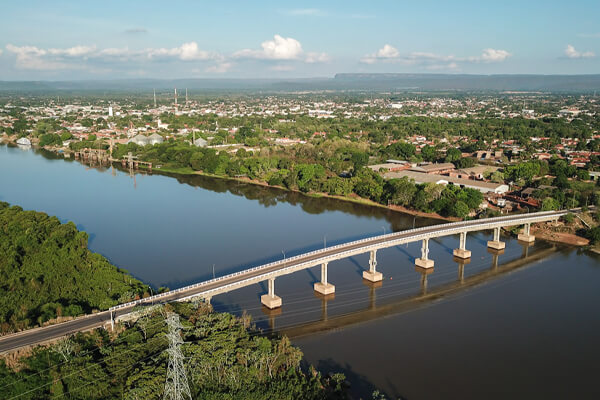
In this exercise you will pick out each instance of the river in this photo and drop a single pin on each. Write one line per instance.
(521, 324)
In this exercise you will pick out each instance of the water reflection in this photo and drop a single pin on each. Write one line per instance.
(426, 294)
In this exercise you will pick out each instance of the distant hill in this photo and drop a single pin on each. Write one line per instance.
(546, 83)
(344, 81)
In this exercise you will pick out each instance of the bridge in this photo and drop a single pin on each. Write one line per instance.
(269, 272)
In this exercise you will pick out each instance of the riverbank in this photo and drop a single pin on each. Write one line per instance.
(559, 237)
(352, 198)
(349, 198)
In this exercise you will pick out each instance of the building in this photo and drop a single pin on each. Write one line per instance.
(155, 138)
(477, 172)
(420, 177)
(389, 166)
(200, 142)
(140, 140)
(442, 168)
(489, 155)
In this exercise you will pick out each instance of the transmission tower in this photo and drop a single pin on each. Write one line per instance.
(176, 385)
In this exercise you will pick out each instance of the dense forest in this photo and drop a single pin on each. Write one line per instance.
(225, 358)
(47, 271)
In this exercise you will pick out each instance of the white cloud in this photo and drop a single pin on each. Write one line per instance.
(389, 53)
(219, 68)
(570, 52)
(493, 55)
(282, 49)
(31, 57)
(90, 57)
(114, 52)
(76, 51)
(386, 52)
(279, 48)
(313, 57)
(185, 52)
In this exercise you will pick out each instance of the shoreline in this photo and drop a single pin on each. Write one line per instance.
(190, 172)
(351, 199)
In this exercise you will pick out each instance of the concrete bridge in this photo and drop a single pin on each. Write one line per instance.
(269, 272)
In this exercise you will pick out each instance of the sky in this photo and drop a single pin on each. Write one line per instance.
(126, 39)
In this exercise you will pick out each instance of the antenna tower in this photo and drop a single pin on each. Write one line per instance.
(154, 98)
(175, 97)
(186, 98)
(176, 384)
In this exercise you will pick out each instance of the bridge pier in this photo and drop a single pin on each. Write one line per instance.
(424, 261)
(525, 235)
(323, 287)
(270, 300)
(462, 251)
(496, 243)
(372, 275)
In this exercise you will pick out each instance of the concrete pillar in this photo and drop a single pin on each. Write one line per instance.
(372, 275)
(462, 252)
(496, 243)
(525, 235)
(270, 300)
(112, 322)
(424, 261)
(323, 287)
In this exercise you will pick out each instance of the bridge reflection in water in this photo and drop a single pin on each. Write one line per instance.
(425, 296)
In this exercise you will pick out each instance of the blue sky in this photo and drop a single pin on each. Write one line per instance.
(263, 39)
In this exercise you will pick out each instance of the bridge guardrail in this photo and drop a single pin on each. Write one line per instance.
(521, 218)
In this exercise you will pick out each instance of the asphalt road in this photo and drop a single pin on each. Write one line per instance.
(52, 332)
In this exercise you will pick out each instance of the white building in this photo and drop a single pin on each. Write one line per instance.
(420, 177)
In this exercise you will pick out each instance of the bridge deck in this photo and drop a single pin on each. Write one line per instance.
(257, 274)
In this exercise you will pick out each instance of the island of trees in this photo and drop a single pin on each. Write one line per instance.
(48, 272)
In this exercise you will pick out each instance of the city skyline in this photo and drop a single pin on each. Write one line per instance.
(68, 40)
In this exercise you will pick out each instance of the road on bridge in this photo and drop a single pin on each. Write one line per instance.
(52, 332)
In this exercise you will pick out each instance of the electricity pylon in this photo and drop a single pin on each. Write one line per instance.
(176, 384)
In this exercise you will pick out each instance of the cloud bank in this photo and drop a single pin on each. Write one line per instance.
(570, 52)
(390, 54)
(276, 51)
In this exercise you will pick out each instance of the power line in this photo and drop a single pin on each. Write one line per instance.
(177, 339)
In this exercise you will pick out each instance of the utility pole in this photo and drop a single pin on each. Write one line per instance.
(176, 384)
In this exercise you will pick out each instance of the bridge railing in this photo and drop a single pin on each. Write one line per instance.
(449, 230)
(443, 228)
